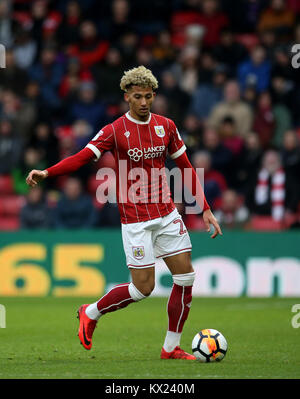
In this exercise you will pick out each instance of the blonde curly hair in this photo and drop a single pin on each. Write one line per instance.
(139, 76)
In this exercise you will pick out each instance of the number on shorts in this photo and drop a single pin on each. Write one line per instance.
(182, 229)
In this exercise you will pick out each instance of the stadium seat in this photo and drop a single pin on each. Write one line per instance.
(194, 222)
(291, 219)
(9, 223)
(11, 205)
(265, 223)
(6, 184)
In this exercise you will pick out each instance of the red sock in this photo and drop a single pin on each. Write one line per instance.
(117, 298)
(178, 307)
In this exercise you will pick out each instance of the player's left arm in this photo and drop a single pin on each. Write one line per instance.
(196, 189)
(177, 152)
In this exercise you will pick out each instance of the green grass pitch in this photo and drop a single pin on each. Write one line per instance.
(40, 340)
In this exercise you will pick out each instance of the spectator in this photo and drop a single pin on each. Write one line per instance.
(128, 44)
(255, 71)
(233, 106)
(48, 73)
(32, 159)
(250, 96)
(283, 122)
(290, 154)
(35, 214)
(13, 77)
(229, 136)
(232, 213)
(207, 95)
(118, 23)
(249, 162)
(74, 209)
(45, 142)
(112, 70)
(83, 132)
(163, 51)
(39, 12)
(214, 181)
(268, 40)
(278, 18)
(192, 133)
(186, 70)
(160, 106)
(281, 91)
(89, 49)
(282, 65)
(68, 30)
(275, 192)
(221, 156)
(87, 107)
(70, 83)
(34, 104)
(229, 51)
(213, 21)
(243, 15)
(6, 31)
(25, 49)
(10, 146)
(264, 120)
(207, 67)
(19, 112)
(178, 100)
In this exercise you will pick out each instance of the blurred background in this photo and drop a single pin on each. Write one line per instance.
(225, 78)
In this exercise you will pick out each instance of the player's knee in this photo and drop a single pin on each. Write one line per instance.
(147, 289)
(139, 292)
(185, 280)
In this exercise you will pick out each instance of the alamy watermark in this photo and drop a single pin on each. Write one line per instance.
(142, 186)
(296, 318)
(2, 316)
(296, 57)
(2, 56)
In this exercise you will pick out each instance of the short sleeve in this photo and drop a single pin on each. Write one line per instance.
(176, 145)
(103, 141)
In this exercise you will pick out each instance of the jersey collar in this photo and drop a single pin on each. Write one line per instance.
(137, 121)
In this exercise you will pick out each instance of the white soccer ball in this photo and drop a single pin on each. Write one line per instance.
(209, 345)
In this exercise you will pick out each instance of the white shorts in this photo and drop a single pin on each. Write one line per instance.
(156, 238)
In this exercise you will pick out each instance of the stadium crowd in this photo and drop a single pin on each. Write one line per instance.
(225, 78)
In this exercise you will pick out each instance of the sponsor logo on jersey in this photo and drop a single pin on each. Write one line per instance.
(138, 252)
(135, 154)
(160, 131)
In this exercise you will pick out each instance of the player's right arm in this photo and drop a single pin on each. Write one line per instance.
(103, 141)
(66, 166)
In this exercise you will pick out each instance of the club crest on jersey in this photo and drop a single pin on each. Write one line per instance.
(127, 134)
(160, 131)
(138, 252)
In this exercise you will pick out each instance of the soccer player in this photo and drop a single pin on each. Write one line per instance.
(150, 229)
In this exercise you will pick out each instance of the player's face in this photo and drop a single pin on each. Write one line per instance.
(140, 100)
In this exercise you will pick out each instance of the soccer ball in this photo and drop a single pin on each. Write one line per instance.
(209, 346)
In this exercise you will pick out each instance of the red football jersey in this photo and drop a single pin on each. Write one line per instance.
(140, 150)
